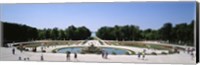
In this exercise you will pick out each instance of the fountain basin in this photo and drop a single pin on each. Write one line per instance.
(110, 50)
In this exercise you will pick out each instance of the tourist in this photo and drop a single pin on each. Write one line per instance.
(139, 54)
(102, 53)
(13, 51)
(25, 59)
(188, 50)
(192, 55)
(75, 55)
(192, 50)
(68, 55)
(28, 58)
(20, 58)
(143, 54)
(106, 55)
(41, 58)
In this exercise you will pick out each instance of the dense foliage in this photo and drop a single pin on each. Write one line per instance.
(16, 32)
(71, 33)
(182, 33)
(128, 32)
(13, 32)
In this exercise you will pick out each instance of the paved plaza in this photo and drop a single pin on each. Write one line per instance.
(182, 58)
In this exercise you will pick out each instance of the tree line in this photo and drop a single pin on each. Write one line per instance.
(182, 33)
(127, 32)
(13, 32)
(70, 33)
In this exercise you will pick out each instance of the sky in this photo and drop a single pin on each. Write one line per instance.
(95, 15)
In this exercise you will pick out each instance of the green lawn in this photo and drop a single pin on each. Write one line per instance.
(51, 43)
(141, 45)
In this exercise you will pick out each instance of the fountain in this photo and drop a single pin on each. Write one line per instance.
(91, 49)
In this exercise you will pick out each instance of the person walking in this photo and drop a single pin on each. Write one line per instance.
(188, 50)
(24, 59)
(28, 58)
(106, 55)
(139, 54)
(192, 55)
(68, 55)
(13, 51)
(143, 54)
(41, 58)
(103, 54)
(20, 58)
(75, 55)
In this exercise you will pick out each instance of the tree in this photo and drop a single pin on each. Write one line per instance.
(47, 33)
(61, 35)
(77, 33)
(117, 32)
(185, 33)
(105, 33)
(41, 34)
(54, 33)
(13, 32)
(127, 32)
(166, 31)
(71, 32)
(150, 34)
(191, 32)
(83, 32)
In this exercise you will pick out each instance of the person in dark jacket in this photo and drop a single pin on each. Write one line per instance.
(75, 55)
(139, 54)
(102, 54)
(13, 51)
(68, 55)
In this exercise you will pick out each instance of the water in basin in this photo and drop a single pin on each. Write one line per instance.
(110, 50)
